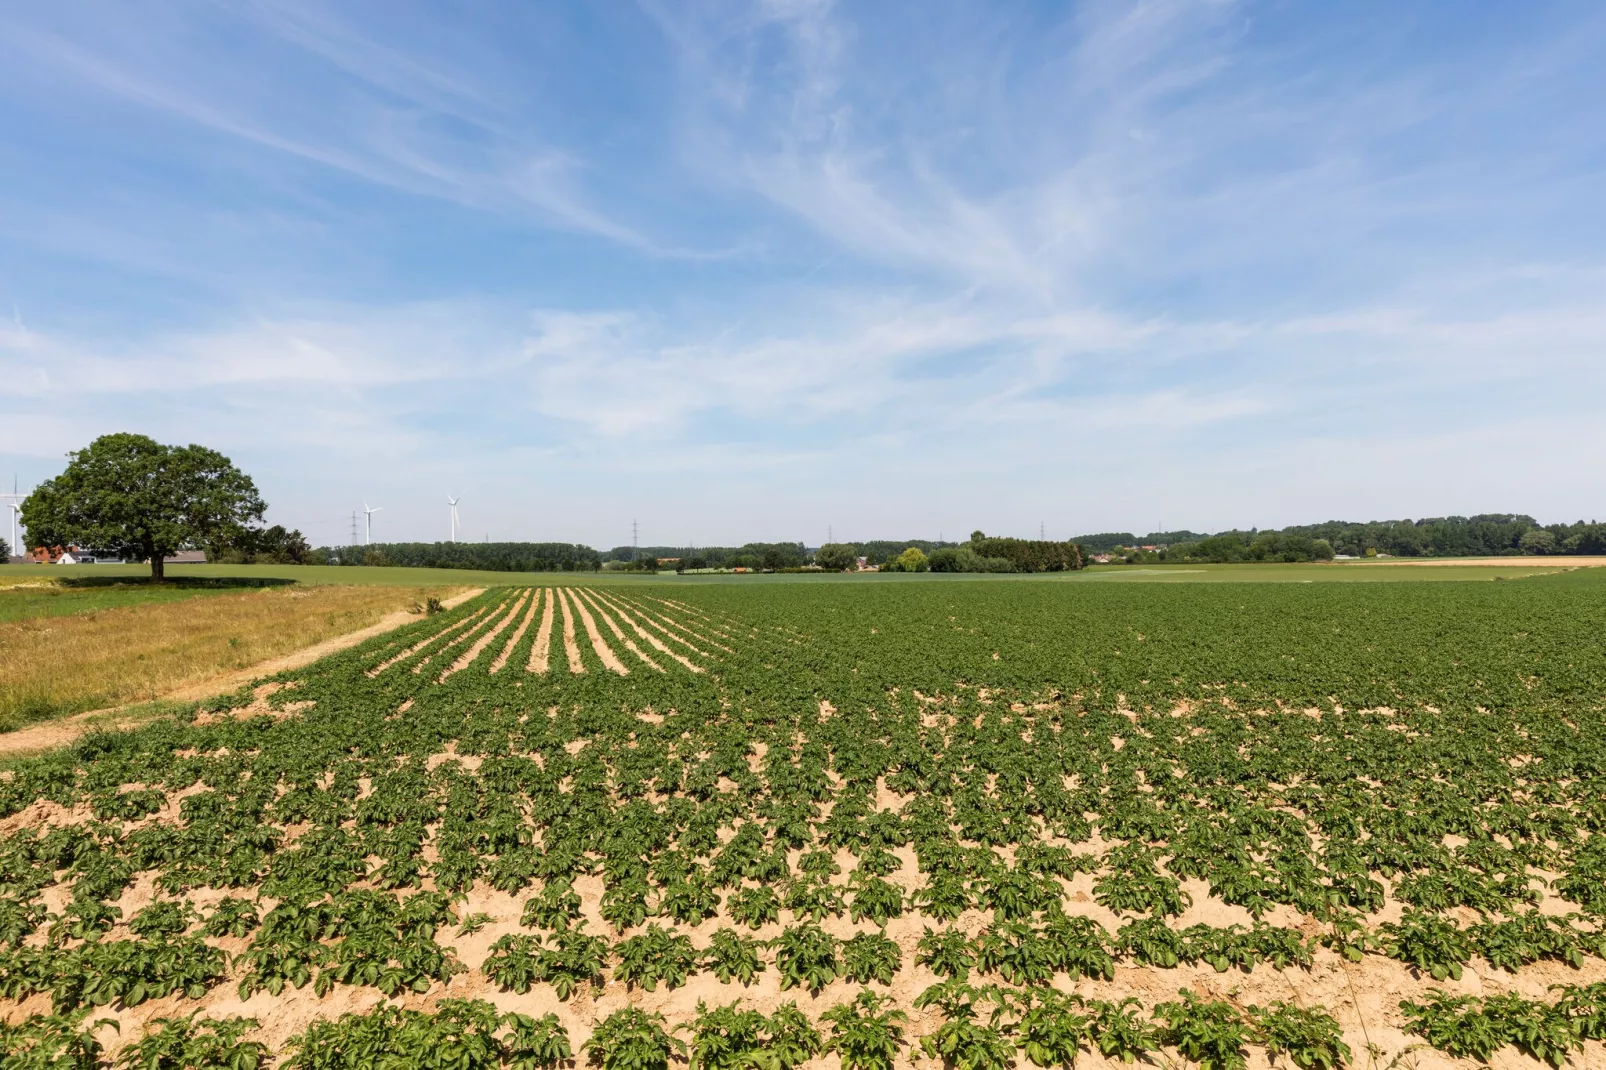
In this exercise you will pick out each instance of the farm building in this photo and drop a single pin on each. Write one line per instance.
(68, 555)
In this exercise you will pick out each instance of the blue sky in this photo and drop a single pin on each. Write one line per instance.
(744, 271)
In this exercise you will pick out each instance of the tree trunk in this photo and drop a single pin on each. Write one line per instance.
(157, 564)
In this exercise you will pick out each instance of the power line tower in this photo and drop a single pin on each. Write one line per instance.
(1040, 535)
(635, 541)
(830, 535)
(354, 527)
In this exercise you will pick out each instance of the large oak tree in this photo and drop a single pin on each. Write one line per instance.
(137, 498)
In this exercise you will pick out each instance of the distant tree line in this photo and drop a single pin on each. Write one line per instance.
(1105, 541)
(980, 553)
(1231, 547)
(1028, 555)
(753, 555)
(880, 551)
(488, 556)
(1485, 535)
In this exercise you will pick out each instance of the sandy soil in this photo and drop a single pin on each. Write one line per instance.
(605, 652)
(1363, 996)
(541, 651)
(52, 734)
(518, 633)
(422, 643)
(571, 648)
(682, 632)
(613, 626)
(466, 659)
(656, 643)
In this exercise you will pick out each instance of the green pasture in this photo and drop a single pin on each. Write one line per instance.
(191, 579)
(66, 596)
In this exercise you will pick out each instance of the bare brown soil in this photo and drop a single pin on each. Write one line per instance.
(604, 652)
(653, 640)
(613, 626)
(541, 651)
(1363, 996)
(466, 659)
(571, 648)
(518, 633)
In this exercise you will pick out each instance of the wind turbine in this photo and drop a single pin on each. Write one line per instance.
(453, 503)
(368, 521)
(14, 500)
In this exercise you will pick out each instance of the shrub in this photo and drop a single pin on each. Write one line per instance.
(1428, 945)
(1118, 1032)
(754, 907)
(947, 953)
(1211, 1033)
(195, 1044)
(1079, 947)
(733, 957)
(1456, 1025)
(868, 957)
(461, 1034)
(231, 917)
(1052, 1029)
(632, 1039)
(655, 955)
(805, 955)
(727, 1038)
(1151, 942)
(863, 1034)
(51, 1042)
(1311, 1039)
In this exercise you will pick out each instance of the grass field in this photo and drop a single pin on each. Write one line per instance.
(66, 650)
(65, 597)
(1343, 824)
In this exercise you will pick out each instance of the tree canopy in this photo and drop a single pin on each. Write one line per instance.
(484, 556)
(132, 496)
(837, 556)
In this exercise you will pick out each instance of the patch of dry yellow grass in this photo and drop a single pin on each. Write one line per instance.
(59, 665)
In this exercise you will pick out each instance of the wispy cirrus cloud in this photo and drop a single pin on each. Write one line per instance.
(374, 112)
(745, 264)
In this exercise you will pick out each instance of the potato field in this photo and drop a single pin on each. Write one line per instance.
(965, 824)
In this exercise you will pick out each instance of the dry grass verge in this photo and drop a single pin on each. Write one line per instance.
(62, 665)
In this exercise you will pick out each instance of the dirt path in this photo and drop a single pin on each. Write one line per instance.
(51, 734)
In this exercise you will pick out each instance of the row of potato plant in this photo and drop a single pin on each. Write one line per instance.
(1310, 753)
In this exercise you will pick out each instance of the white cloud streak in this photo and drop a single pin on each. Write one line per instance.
(1141, 258)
